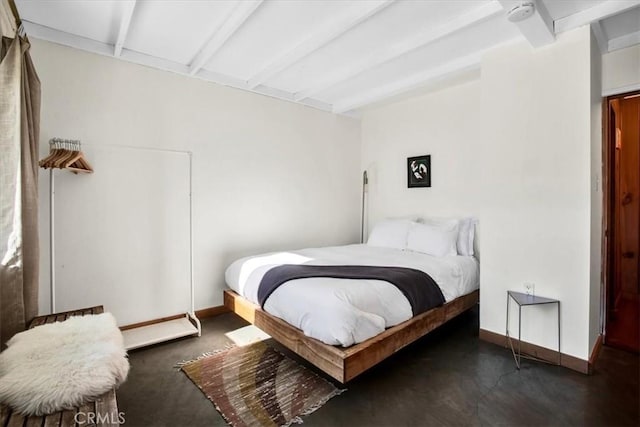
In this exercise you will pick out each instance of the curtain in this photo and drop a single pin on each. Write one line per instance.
(19, 136)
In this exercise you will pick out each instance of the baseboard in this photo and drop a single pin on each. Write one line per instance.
(211, 311)
(150, 322)
(571, 362)
(200, 314)
(595, 352)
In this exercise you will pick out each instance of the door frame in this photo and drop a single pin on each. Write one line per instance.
(608, 198)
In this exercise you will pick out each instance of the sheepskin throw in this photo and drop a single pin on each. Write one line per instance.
(63, 364)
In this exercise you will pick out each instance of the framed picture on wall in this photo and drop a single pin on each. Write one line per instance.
(419, 171)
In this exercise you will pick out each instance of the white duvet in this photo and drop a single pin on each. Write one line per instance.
(348, 311)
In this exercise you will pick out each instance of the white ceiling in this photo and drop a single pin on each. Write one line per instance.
(338, 56)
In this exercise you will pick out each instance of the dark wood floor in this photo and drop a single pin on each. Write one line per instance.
(449, 377)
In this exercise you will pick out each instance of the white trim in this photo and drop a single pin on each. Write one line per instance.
(482, 13)
(52, 246)
(212, 76)
(598, 33)
(234, 20)
(56, 36)
(538, 28)
(595, 13)
(457, 66)
(619, 90)
(167, 330)
(288, 96)
(624, 41)
(222, 79)
(317, 40)
(125, 21)
(154, 61)
(192, 283)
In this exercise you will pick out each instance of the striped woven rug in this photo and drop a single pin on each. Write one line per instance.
(256, 385)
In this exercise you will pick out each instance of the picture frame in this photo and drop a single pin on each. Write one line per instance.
(419, 171)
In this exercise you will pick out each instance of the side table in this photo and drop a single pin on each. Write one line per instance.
(525, 300)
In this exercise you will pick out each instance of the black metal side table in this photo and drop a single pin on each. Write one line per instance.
(524, 300)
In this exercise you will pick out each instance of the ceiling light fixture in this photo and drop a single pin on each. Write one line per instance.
(521, 12)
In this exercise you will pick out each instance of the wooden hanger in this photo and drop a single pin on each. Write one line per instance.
(78, 164)
(75, 156)
(66, 154)
(58, 151)
(46, 162)
(72, 152)
(62, 158)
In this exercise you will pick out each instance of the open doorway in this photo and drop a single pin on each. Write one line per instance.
(621, 159)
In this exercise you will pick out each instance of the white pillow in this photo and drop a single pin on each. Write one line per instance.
(444, 223)
(433, 240)
(466, 236)
(412, 218)
(466, 232)
(463, 236)
(465, 241)
(449, 223)
(390, 233)
(472, 235)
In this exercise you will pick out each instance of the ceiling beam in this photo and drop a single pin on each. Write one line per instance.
(449, 69)
(477, 15)
(537, 28)
(234, 20)
(598, 33)
(600, 11)
(624, 41)
(353, 17)
(125, 22)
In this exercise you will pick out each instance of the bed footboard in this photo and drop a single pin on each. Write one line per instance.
(344, 364)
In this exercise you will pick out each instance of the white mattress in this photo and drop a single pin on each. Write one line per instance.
(348, 311)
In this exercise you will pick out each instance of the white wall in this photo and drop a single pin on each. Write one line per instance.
(443, 124)
(123, 234)
(595, 289)
(268, 174)
(621, 70)
(513, 149)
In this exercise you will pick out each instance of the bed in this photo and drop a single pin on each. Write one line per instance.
(342, 325)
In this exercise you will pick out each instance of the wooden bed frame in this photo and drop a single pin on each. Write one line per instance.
(341, 363)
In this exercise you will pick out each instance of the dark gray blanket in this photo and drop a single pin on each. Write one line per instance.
(417, 286)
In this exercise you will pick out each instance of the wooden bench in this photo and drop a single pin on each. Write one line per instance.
(101, 412)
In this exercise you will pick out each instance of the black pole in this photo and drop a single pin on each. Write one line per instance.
(365, 182)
